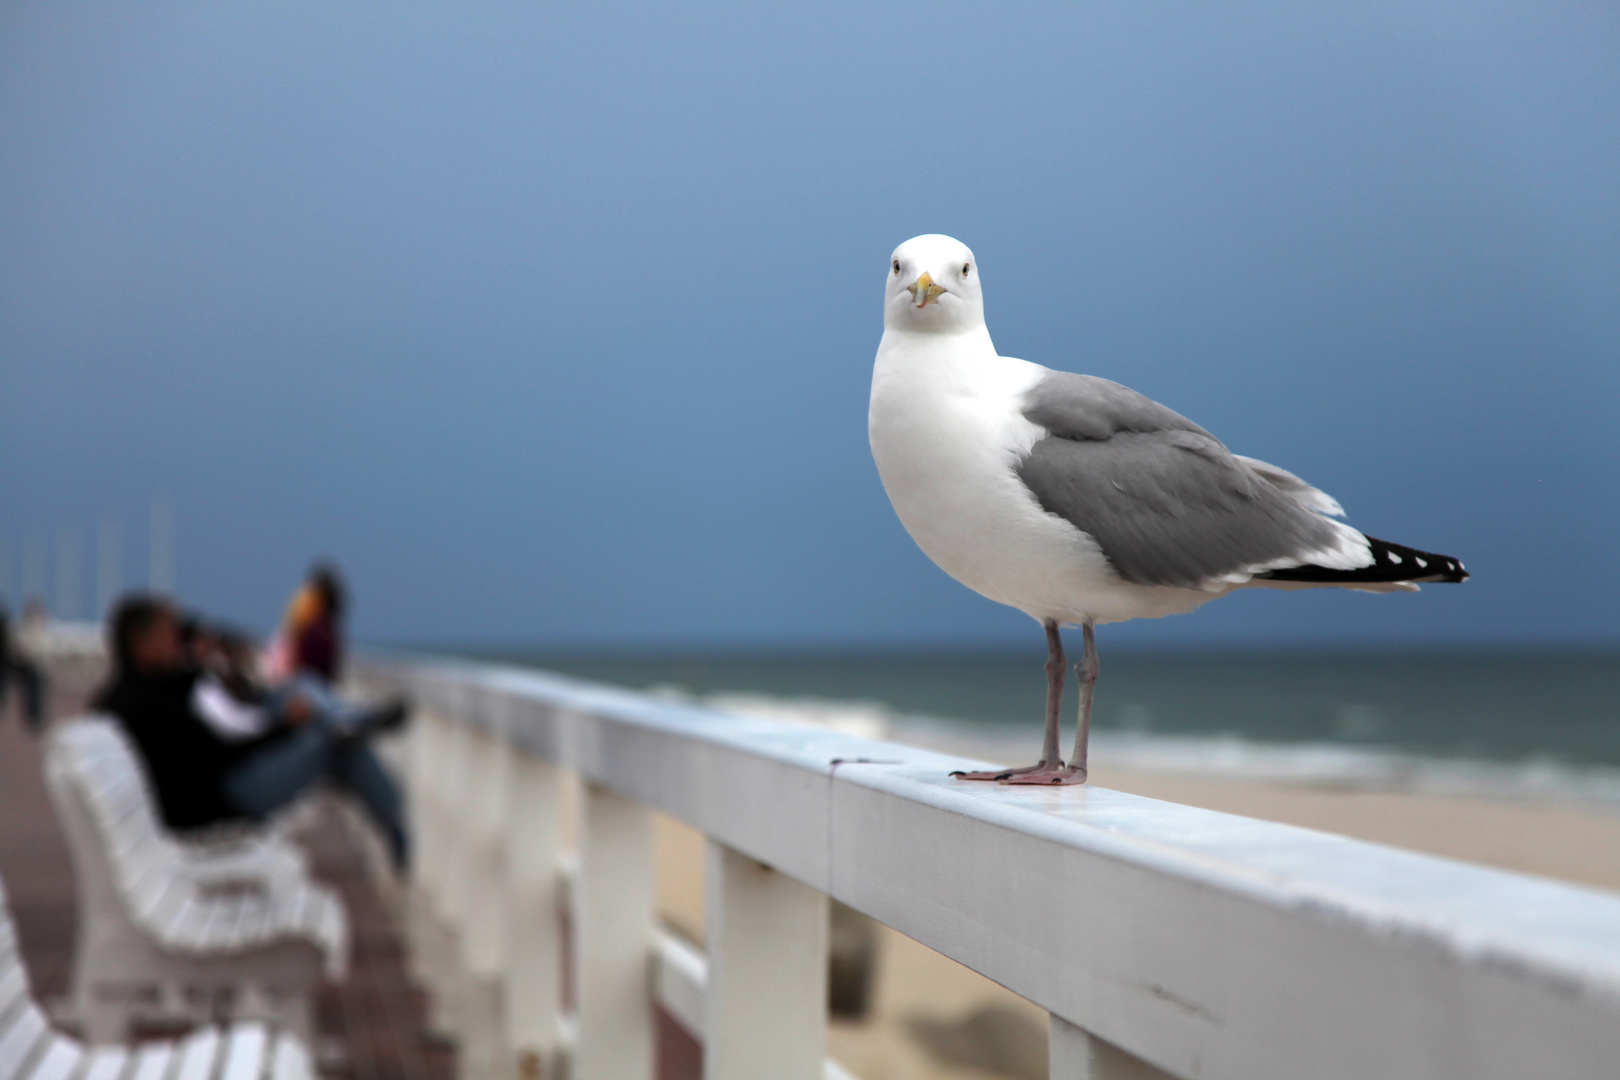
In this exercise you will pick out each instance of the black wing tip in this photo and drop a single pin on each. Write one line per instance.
(1391, 563)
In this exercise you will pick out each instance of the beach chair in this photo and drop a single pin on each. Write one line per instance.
(171, 932)
(31, 1049)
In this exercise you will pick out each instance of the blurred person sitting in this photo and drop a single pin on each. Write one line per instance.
(214, 757)
(15, 664)
(310, 642)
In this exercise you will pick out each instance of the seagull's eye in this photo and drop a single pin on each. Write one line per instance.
(965, 268)
(897, 266)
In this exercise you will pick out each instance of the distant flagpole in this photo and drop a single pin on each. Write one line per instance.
(109, 565)
(161, 556)
(69, 577)
(33, 567)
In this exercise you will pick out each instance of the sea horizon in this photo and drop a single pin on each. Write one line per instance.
(1528, 706)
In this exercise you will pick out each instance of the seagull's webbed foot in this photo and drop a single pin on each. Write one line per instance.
(1058, 774)
(1005, 774)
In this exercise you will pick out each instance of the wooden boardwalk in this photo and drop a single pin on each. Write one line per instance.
(372, 1027)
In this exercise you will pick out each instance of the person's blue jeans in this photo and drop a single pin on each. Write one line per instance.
(346, 716)
(275, 775)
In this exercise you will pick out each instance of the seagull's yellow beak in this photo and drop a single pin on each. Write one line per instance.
(923, 290)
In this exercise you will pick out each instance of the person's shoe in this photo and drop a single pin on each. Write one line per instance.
(390, 716)
(363, 722)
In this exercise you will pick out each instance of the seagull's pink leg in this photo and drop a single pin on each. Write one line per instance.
(1075, 772)
(1057, 669)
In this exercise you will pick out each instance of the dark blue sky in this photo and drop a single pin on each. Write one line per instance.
(557, 327)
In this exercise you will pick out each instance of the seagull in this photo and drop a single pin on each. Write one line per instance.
(1077, 500)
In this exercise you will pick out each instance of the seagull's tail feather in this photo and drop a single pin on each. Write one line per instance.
(1392, 563)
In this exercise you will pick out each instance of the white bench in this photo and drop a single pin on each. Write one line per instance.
(170, 931)
(30, 1049)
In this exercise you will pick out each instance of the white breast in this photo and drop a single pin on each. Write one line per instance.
(947, 431)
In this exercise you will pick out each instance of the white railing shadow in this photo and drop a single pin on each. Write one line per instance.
(1162, 939)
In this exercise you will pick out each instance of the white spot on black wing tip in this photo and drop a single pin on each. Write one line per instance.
(1420, 562)
(1394, 558)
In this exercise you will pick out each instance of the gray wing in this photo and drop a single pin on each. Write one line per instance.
(1166, 502)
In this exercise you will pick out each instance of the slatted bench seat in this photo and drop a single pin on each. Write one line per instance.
(169, 931)
(31, 1049)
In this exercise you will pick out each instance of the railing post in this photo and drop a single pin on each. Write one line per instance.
(428, 739)
(425, 751)
(481, 907)
(442, 820)
(483, 940)
(533, 993)
(1077, 1055)
(456, 774)
(614, 936)
(766, 1013)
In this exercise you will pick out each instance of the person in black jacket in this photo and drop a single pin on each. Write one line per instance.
(15, 665)
(205, 773)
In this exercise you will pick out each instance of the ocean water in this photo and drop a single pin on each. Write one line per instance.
(1560, 708)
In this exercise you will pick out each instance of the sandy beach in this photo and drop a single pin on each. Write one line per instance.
(931, 1017)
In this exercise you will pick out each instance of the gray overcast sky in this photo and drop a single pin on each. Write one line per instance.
(556, 326)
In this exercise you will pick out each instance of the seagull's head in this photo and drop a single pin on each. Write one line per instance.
(933, 286)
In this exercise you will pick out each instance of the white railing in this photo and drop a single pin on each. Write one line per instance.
(1159, 937)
